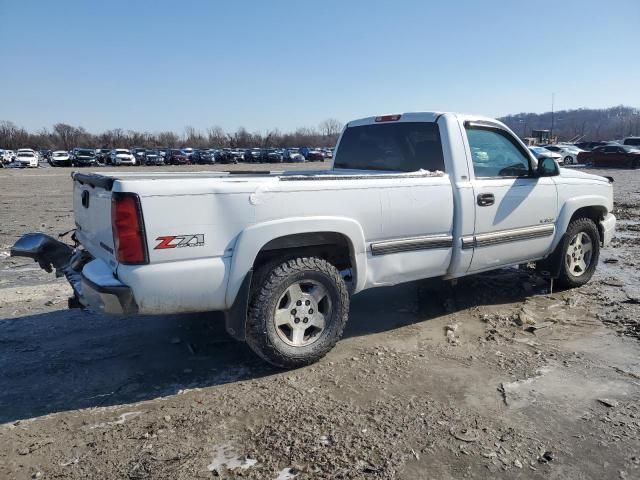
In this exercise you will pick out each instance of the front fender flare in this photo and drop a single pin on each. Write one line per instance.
(252, 239)
(570, 207)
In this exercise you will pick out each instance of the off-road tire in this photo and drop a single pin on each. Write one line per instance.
(269, 284)
(566, 279)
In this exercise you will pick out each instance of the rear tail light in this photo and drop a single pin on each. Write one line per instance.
(388, 118)
(128, 229)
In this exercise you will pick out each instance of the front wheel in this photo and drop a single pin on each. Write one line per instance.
(580, 253)
(567, 160)
(297, 311)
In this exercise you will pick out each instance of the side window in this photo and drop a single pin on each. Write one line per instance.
(610, 149)
(495, 155)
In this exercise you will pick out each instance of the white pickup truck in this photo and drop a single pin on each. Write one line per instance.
(408, 197)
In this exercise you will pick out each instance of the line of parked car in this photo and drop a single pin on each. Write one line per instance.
(625, 154)
(80, 157)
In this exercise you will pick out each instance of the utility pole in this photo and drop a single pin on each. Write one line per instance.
(552, 116)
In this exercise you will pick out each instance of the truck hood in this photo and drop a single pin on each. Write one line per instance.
(573, 173)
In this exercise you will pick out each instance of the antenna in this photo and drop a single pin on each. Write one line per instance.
(553, 95)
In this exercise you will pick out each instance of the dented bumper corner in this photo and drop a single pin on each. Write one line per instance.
(94, 285)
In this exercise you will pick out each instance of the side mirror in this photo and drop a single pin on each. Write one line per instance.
(547, 167)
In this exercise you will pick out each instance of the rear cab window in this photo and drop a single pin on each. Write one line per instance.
(395, 147)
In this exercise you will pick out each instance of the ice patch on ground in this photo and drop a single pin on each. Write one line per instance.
(119, 421)
(226, 458)
(286, 474)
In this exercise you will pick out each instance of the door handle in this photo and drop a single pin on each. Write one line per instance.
(486, 199)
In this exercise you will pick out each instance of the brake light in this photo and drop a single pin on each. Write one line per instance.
(128, 229)
(388, 118)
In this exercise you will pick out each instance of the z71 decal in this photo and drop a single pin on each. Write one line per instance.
(180, 241)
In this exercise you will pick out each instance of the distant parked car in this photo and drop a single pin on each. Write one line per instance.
(569, 153)
(9, 156)
(139, 153)
(206, 156)
(625, 156)
(314, 155)
(60, 158)
(327, 152)
(102, 154)
(254, 155)
(231, 155)
(274, 155)
(153, 157)
(175, 157)
(6, 156)
(632, 141)
(292, 155)
(83, 157)
(541, 152)
(122, 156)
(588, 146)
(44, 154)
(188, 151)
(26, 158)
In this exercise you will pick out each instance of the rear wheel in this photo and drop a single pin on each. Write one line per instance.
(567, 160)
(580, 253)
(297, 311)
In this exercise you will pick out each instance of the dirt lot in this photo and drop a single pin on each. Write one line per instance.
(492, 377)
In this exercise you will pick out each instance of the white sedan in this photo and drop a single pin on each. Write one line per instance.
(542, 152)
(26, 158)
(60, 157)
(569, 153)
(122, 156)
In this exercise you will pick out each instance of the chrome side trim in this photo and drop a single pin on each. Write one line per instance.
(507, 236)
(468, 242)
(411, 244)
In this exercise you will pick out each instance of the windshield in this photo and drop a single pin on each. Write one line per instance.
(632, 141)
(60, 154)
(26, 154)
(400, 147)
(84, 152)
(152, 152)
(120, 152)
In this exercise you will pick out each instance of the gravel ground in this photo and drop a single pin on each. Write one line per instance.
(494, 377)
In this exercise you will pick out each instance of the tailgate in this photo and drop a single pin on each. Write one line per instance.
(92, 212)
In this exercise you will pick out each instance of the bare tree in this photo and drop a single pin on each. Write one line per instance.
(216, 137)
(330, 127)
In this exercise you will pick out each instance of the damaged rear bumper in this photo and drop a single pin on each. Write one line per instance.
(93, 282)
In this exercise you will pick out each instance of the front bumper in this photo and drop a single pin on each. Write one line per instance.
(607, 229)
(94, 285)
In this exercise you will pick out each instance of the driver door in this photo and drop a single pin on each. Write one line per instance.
(515, 209)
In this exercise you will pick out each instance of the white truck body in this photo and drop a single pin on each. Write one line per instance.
(204, 230)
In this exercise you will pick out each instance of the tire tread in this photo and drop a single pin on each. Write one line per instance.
(266, 283)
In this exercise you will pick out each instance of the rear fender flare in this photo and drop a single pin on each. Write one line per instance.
(254, 238)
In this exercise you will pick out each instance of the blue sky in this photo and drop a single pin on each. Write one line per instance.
(163, 65)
